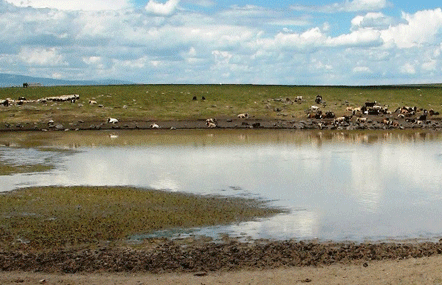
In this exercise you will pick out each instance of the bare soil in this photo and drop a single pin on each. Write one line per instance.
(424, 270)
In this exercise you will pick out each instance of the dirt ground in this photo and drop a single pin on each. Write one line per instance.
(426, 270)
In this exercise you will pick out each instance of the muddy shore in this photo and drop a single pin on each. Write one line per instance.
(202, 257)
(372, 123)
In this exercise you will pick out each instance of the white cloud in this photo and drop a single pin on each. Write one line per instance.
(362, 69)
(372, 20)
(41, 56)
(408, 68)
(420, 28)
(96, 5)
(247, 44)
(347, 6)
(203, 3)
(162, 9)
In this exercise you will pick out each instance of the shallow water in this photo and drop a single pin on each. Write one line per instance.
(338, 186)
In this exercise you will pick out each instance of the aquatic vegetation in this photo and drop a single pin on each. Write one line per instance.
(42, 217)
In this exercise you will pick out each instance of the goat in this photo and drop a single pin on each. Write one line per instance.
(243, 116)
(318, 99)
(154, 126)
(298, 99)
(92, 102)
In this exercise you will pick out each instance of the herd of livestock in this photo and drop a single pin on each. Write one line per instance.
(370, 114)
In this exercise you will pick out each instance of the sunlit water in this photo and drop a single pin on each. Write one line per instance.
(338, 186)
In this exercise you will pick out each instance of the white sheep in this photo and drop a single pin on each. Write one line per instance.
(154, 126)
(112, 120)
(243, 116)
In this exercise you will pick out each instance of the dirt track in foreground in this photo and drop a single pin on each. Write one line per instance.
(410, 271)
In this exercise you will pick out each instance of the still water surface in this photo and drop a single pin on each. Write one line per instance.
(338, 186)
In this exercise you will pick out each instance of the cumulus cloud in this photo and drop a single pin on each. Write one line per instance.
(41, 56)
(419, 28)
(163, 9)
(90, 5)
(347, 6)
(248, 44)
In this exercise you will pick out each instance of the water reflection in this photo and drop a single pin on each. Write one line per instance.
(339, 185)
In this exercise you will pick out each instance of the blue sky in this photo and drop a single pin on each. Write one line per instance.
(341, 42)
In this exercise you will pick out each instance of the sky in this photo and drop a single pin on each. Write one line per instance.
(297, 42)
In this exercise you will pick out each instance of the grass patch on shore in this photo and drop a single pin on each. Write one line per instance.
(174, 102)
(8, 169)
(54, 217)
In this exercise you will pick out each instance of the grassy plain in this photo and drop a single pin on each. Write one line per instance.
(174, 102)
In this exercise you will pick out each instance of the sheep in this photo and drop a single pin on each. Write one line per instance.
(211, 125)
(298, 99)
(314, 108)
(340, 120)
(154, 126)
(211, 120)
(356, 111)
(243, 116)
(92, 102)
(361, 120)
(112, 120)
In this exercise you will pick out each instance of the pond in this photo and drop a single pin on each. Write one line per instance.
(337, 185)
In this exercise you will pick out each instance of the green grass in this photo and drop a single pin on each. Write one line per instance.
(174, 102)
(52, 217)
(8, 169)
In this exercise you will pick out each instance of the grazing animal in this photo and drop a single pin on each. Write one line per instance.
(211, 120)
(356, 111)
(92, 102)
(298, 99)
(112, 120)
(370, 104)
(329, 115)
(314, 108)
(423, 117)
(361, 120)
(243, 116)
(340, 120)
(154, 126)
(318, 99)
(194, 98)
(203, 98)
(433, 113)
(386, 121)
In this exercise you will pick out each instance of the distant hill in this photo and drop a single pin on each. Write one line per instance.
(10, 80)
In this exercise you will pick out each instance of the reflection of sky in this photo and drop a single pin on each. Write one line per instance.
(337, 190)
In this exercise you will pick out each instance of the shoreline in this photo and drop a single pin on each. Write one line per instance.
(161, 256)
(372, 123)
